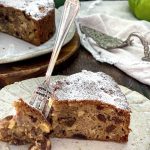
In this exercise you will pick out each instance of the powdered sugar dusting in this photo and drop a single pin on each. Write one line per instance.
(87, 85)
(37, 9)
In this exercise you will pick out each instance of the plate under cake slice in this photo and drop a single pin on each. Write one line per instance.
(27, 126)
(91, 106)
(30, 20)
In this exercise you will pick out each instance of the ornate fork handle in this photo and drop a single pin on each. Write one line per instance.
(71, 8)
(143, 42)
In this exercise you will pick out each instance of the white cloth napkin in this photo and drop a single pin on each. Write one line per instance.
(127, 59)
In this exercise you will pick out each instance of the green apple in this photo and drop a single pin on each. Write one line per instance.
(140, 8)
(59, 3)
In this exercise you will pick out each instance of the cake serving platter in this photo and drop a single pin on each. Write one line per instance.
(139, 137)
(13, 49)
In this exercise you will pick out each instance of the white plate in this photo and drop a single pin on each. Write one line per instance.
(139, 138)
(13, 49)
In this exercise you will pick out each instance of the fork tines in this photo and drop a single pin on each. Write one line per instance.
(40, 98)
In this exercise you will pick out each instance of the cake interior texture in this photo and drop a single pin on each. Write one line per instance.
(27, 126)
(90, 106)
(87, 120)
(32, 21)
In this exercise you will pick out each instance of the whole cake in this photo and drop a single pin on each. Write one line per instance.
(27, 126)
(91, 106)
(30, 20)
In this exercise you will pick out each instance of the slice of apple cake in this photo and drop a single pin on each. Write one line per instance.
(91, 106)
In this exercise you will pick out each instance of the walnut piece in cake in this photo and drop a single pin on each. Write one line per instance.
(90, 106)
(27, 126)
(30, 20)
(41, 145)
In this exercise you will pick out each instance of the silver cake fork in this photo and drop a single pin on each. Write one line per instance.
(39, 99)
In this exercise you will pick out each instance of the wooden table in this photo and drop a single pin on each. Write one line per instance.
(84, 60)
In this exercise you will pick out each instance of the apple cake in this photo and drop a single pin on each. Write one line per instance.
(84, 105)
(27, 126)
(30, 20)
(90, 106)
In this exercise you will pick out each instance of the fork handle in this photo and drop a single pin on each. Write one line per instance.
(70, 11)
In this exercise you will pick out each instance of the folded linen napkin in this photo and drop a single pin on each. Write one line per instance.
(127, 59)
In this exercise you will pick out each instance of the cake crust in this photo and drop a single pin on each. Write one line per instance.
(87, 85)
(35, 9)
